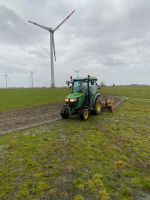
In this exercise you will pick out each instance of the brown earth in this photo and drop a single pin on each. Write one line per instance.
(27, 118)
(31, 117)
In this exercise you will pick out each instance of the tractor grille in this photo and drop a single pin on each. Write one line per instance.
(72, 105)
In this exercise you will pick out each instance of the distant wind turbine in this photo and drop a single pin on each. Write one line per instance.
(52, 45)
(77, 71)
(6, 78)
(31, 78)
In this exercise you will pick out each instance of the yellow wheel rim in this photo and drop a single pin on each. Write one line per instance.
(98, 106)
(86, 114)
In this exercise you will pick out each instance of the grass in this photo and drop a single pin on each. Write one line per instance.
(11, 99)
(106, 157)
(128, 91)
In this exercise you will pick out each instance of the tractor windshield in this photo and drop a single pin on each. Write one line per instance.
(79, 86)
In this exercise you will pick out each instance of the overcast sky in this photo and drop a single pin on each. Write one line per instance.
(108, 39)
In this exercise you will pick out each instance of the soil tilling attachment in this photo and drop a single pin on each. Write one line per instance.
(110, 103)
(107, 104)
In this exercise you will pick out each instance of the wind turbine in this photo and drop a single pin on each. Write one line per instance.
(77, 71)
(52, 45)
(6, 78)
(31, 78)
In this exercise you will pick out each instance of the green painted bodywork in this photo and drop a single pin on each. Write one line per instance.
(94, 97)
(75, 95)
(79, 96)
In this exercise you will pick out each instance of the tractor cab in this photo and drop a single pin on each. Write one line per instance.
(84, 98)
(79, 85)
(87, 86)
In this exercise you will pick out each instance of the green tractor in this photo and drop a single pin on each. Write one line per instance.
(84, 98)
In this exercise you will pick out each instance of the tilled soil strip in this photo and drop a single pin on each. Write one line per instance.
(28, 118)
(32, 117)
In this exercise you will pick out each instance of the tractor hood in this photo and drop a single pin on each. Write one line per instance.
(75, 95)
(75, 100)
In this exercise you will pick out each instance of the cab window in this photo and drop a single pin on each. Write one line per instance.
(79, 86)
(93, 87)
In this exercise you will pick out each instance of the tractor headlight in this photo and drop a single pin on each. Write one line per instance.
(72, 100)
(66, 100)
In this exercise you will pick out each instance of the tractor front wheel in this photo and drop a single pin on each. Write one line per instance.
(84, 114)
(65, 112)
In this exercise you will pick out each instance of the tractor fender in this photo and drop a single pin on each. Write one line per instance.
(97, 96)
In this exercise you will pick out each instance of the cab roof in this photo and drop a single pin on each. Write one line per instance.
(84, 78)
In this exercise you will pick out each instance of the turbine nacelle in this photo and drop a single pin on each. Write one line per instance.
(51, 30)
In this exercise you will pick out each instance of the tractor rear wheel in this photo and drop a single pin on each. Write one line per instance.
(98, 107)
(65, 112)
(84, 114)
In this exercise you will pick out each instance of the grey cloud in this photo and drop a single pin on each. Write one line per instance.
(106, 35)
(42, 52)
(14, 30)
(11, 68)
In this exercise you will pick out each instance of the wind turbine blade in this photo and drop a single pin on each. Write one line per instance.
(44, 27)
(54, 47)
(64, 20)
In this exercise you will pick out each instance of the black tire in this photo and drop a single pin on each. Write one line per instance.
(65, 112)
(84, 114)
(98, 106)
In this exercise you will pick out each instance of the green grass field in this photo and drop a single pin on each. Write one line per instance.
(106, 157)
(24, 98)
(128, 91)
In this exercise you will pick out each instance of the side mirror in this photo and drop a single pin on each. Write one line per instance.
(98, 86)
(68, 83)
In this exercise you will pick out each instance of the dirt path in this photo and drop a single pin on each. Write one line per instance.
(27, 118)
(31, 117)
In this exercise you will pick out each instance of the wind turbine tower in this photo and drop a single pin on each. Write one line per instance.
(6, 79)
(31, 78)
(52, 45)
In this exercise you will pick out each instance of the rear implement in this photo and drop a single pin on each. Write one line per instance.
(110, 103)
